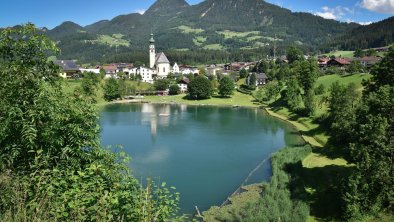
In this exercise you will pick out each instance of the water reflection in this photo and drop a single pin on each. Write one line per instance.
(206, 152)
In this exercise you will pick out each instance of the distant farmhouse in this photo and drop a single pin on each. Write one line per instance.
(69, 69)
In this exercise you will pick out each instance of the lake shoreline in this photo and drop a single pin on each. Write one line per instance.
(241, 191)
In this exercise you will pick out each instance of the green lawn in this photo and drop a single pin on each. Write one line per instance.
(237, 99)
(187, 29)
(114, 40)
(348, 54)
(231, 34)
(213, 47)
(328, 80)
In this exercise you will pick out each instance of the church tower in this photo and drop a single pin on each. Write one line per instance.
(152, 52)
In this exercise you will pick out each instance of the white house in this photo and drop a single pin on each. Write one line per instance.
(96, 71)
(175, 68)
(183, 83)
(146, 74)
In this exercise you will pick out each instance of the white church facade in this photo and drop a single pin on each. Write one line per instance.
(159, 66)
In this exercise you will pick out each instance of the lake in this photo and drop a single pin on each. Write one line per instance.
(205, 152)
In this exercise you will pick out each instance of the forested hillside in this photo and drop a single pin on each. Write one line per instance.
(370, 36)
(241, 25)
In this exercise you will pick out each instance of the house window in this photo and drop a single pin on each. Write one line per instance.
(164, 69)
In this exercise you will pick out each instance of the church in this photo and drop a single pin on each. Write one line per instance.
(158, 61)
(159, 66)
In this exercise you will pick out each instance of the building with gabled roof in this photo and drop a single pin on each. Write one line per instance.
(158, 61)
(69, 69)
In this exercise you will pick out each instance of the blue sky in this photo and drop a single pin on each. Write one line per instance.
(50, 13)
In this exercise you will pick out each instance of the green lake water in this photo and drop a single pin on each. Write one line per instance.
(205, 152)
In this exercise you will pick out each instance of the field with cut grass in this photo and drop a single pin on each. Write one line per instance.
(328, 80)
(187, 29)
(231, 34)
(213, 47)
(114, 40)
(348, 54)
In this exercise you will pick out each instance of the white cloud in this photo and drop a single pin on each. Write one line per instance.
(365, 23)
(140, 11)
(326, 15)
(333, 13)
(382, 6)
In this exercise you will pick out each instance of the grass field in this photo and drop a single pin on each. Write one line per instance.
(237, 99)
(231, 34)
(187, 29)
(328, 80)
(114, 40)
(214, 47)
(199, 40)
(348, 54)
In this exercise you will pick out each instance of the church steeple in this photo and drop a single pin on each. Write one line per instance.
(152, 51)
(152, 40)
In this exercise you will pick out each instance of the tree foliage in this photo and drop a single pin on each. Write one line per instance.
(200, 88)
(292, 95)
(369, 190)
(111, 89)
(174, 90)
(294, 54)
(226, 86)
(52, 167)
(161, 84)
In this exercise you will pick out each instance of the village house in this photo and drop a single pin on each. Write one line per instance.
(323, 62)
(69, 69)
(183, 83)
(369, 61)
(96, 71)
(261, 79)
(110, 71)
(339, 62)
(175, 68)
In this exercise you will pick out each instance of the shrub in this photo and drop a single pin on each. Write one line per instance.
(200, 88)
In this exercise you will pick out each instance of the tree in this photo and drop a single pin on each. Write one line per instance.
(161, 84)
(226, 86)
(310, 103)
(243, 73)
(174, 90)
(355, 67)
(200, 88)
(320, 90)
(292, 95)
(341, 105)
(307, 73)
(50, 151)
(359, 53)
(294, 54)
(267, 93)
(370, 187)
(90, 84)
(111, 90)
(251, 80)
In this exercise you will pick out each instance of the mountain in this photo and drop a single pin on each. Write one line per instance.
(211, 24)
(65, 29)
(166, 7)
(369, 36)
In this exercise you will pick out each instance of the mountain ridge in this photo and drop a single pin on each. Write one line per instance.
(211, 24)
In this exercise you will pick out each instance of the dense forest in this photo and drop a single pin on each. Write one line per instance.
(375, 35)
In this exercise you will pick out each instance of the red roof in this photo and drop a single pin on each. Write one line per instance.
(342, 61)
(110, 67)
